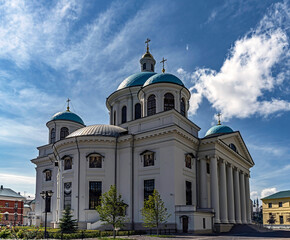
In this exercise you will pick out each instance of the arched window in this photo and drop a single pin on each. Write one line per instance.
(152, 67)
(63, 133)
(151, 105)
(232, 146)
(114, 118)
(144, 66)
(182, 107)
(124, 114)
(52, 136)
(137, 110)
(168, 101)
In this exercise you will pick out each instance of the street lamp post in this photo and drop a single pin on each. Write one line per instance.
(45, 195)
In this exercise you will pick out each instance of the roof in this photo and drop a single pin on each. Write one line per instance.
(282, 194)
(99, 130)
(163, 78)
(137, 79)
(7, 192)
(67, 115)
(218, 129)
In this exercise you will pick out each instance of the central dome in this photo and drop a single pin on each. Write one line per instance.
(137, 79)
(163, 78)
(99, 130)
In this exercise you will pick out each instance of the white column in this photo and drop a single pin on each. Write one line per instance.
(243, 197)
(230, 188)
(237, 196)
(214, 188)
(203, 184)
(248, 205)
(223, 192)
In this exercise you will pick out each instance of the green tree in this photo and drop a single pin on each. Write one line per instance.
(112, 209)
(154, 212)
(272, 219)
(67, 224)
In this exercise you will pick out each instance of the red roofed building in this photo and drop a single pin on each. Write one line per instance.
(11, 207)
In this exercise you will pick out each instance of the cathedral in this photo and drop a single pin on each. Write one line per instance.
(149, 144)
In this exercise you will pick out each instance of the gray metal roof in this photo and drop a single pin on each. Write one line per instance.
(99, 130)
(7, 192)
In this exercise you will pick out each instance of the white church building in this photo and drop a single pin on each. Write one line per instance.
(149, 144)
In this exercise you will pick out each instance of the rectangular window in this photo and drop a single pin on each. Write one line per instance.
(203, 220)
(95, 161)
(48, 175)
(280, 204)
(188, 193)
(67, 163)
(269, 205)
(95, 192)
(149, 186)
(15, 216)
(7, 204)
(6, 217)
(188, 161)
(48, 204)
(67, 195)
(148, 159)
(281, 219)
(16, 205)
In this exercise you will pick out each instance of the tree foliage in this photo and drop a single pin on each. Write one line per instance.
(272, 219)
(154, 212)
(67, 224)
(112, 209)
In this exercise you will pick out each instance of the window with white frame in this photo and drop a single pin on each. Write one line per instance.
(67, 162)
(148, 158)
(67, 195)
(95, 160)
(188, 160)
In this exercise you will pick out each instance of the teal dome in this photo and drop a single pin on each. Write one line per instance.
(67, 115)
(218, 129)
(137, 79)
(163, 78)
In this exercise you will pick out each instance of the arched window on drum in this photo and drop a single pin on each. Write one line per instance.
(124, 114)
(63, 133)
(182, 107)
(168, 101)
(151, 105)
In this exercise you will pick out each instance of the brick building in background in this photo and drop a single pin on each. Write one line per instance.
(11, 207)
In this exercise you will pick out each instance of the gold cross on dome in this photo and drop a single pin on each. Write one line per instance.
(163, 61)
(147, 42)
(219, 118)
(67, 108)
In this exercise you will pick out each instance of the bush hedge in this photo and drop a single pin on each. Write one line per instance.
(38, 233)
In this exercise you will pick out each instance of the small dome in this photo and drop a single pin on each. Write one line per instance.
(137, 79)
(163, 78)
(218, 129)
(67, 115)
(148, 55)
(98, 130)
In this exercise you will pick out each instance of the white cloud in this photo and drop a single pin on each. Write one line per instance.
(254, 195)
(14, 179)
(240, 87)
(268, 191)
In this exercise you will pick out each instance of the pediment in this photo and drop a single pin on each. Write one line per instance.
(236, 139)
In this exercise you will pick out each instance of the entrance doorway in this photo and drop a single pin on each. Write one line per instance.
(185, 224)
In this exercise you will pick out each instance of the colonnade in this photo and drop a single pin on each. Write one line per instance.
(229, 191)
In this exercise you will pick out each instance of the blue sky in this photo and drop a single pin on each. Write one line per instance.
(233, 55)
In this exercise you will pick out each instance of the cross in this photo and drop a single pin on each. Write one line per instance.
(68, 100)
(163, 61)
(147, 42)
(219, 118)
